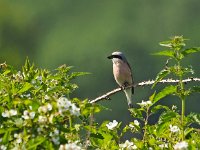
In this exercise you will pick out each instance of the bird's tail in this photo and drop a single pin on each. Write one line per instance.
(128, 93)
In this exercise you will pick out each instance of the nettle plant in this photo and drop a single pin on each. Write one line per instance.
(37, 110)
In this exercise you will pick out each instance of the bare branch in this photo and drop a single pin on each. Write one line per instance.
(144, 83)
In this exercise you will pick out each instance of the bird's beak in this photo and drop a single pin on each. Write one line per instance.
(110, 57)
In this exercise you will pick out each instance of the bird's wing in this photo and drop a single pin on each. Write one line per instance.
(131, 76)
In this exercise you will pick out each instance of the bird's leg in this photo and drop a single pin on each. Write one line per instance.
(123, 87)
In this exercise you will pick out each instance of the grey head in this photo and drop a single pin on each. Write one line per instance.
(117, 55)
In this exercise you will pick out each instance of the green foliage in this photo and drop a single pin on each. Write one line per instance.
(38, 112)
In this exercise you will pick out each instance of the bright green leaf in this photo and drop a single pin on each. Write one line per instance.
(166, 91)
(159, 107)
(190, 51)
(33, 143)
(163, 73)
(167, 116)
(25, 87)
(168, 53)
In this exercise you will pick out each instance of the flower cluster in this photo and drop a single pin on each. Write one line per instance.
(72, 146)
(64, 105)
(9, 113)
(55, 136)
(44, 109)
(174, 129)
(112, 125)
(145, 103)
(28, 115)
(127, 145)
(181, 146)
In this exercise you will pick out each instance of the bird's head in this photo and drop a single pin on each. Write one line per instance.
(117, 57)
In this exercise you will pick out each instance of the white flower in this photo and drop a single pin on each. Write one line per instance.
(28, 115)
(112, 125)
(174, 129)
(32, 114)
(9, 113)
(25, 116)
(54, 137)
(136, 123)
(45, 108)
(131, 126)
(162, 146)
(42, 109)
(5, 114)
(19, 140)
(13, 112)
(42, 119)
(145, 103)
(49, 107)
(18, 137)
(46, 97)
(56, 140)
(174, 107)
(39, 78)
(128, 145)
(3, 147)
(65, 105)
(70, 146)
(181, 146)
(75, 110)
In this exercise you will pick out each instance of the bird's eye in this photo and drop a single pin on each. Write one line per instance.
(117, 56)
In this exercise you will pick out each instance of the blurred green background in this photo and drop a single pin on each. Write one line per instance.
(83, 33)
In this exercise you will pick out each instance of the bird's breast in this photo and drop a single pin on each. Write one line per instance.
(122, 73)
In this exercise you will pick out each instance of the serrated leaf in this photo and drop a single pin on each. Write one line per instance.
(168, 53)
(25, 87)
(162, 127)
(190, 51)
(163, 73)
(166, 91)
(167, 116)
(159, 107)
(194, 117)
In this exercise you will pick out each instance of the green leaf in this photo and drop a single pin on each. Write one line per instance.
(76, 74)
(195, 89)
(163, 73)
(168, 53)
(167, 116)
(194, 117)
(137, 113)
(159, 107)
(190, 51)
(97, 135)
(166, 44)
(33, 143)
(25, 87)
(161, 128)
(166, 91)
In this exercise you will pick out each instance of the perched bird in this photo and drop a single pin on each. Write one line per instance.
(122, 74)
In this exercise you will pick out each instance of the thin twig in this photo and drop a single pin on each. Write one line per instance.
(144, 83)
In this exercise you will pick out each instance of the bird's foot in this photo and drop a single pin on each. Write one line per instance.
(130, 106)
(123, 87)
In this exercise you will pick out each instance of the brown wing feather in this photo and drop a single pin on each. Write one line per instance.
(131, 77)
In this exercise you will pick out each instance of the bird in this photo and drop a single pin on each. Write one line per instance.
(123, 74)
